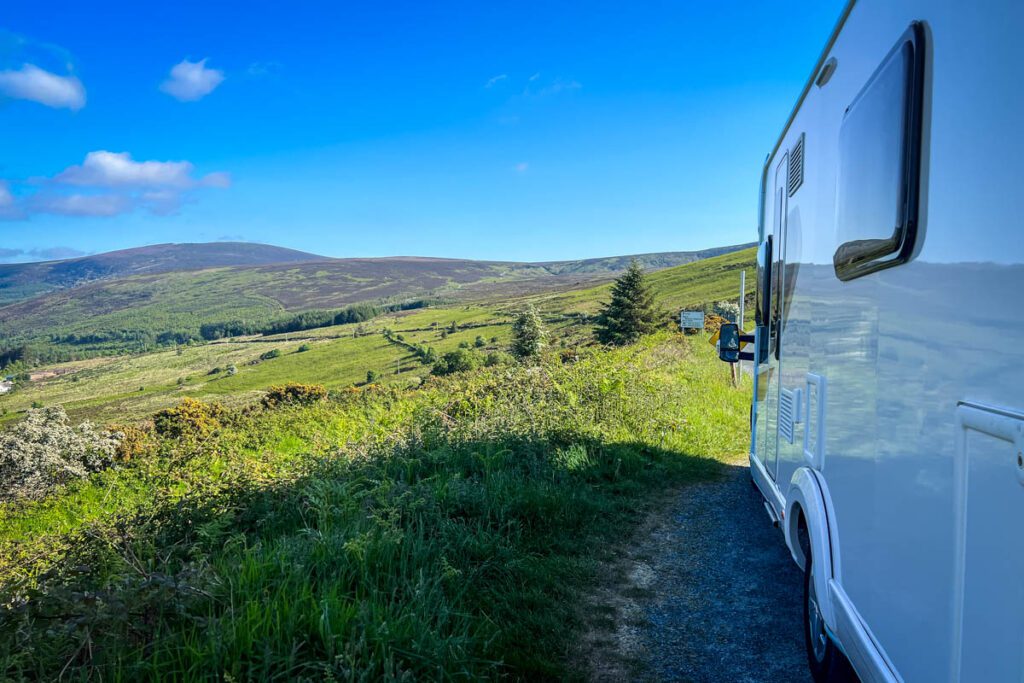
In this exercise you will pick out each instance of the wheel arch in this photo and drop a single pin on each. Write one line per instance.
(807, 517)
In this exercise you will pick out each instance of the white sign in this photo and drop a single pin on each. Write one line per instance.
(692, 320)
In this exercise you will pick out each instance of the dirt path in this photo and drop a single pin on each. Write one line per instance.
(705, 592)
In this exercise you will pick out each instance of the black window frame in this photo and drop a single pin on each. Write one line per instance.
(856, 258)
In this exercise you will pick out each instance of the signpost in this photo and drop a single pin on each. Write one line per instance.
(743, 291)
(691, 320)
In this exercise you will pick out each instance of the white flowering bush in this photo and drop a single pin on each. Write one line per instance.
(730, 310)
(45, 450)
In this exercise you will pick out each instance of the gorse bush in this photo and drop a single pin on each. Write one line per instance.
(272, 353)
(190, 419)
(44, 451)
(135, 442)
(294, 394)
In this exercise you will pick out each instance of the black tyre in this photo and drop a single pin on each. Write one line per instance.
(828, 664)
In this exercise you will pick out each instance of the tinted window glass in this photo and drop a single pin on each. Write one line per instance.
(876, 205)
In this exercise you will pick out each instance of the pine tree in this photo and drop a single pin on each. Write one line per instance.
(631, 312)
(527, 334)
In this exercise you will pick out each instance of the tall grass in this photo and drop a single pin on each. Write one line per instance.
(443, 533)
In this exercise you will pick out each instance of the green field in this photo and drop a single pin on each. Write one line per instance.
(130, 387)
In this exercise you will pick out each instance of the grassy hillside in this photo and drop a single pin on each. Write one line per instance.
(656, 261)
(688, 286)
(415, 528)
(120, 387)
(183, 301)
(142, 299)
(443, 533)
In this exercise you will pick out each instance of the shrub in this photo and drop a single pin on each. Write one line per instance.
(479, 342)
(497, 358)
(272, 353)
(463, 344)
(730, 310)
(215, 371)
(44, 451)
(191, 418)
(232, 370)
(134, 442)
(712, 322)
(459, 360)
(294, 394)
(303, 348)
(371, 376)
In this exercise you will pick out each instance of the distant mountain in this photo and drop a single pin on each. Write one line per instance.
(20, 281)
(169, 291)
(656, 261)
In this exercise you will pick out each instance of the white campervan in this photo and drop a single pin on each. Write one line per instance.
(888, 420)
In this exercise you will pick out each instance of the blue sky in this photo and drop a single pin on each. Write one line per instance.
(513, 131)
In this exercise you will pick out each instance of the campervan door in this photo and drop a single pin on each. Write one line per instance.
(889, 425)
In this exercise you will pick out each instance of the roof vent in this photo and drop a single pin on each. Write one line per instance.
(796, 166)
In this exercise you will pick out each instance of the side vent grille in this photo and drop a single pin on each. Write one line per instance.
(789, 413)
(796, 166)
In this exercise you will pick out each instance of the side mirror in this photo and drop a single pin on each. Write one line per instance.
(729, 343)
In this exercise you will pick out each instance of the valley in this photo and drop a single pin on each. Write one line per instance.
(117, 383)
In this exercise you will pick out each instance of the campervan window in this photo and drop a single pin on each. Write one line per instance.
(879, 153)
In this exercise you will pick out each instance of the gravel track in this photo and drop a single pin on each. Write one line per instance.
(706, 591)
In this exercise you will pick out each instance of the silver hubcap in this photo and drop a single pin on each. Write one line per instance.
(816, 624)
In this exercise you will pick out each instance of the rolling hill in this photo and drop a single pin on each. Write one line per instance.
(653, 261)
(135, 296)
(20, 281)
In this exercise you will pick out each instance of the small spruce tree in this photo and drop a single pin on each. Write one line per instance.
(631, 313)
(527, 334)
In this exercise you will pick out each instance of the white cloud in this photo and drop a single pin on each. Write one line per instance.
(491, 82)
(35, 84)
(118, 169)
(39, 253)
(110, 184)
(103, 205)
(9, 210)
(191, 81)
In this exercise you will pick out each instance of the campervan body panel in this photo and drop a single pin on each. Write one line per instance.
(903, 387)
